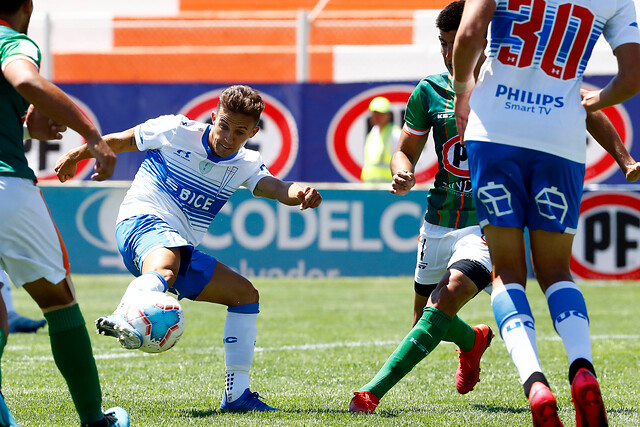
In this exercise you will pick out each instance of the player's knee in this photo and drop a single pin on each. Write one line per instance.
(168, 274)
(247, 293)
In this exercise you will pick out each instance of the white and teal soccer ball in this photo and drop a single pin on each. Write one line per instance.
(159, 319)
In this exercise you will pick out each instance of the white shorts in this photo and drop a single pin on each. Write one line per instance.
(439, 247)
(30, 246)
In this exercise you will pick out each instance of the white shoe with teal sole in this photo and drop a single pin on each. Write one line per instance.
(115, 325)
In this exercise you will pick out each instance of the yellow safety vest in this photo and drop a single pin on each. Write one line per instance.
(377, 154)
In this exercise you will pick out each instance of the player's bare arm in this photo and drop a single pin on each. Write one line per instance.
(288, 193)
(603, 131)
(467, 50)
(403, 162)
(119, 142)
(623, 86)
(42, 127)
(51, 101)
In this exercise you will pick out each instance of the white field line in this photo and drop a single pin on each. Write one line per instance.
(302, 347)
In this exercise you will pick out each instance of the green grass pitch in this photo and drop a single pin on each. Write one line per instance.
(318, 342)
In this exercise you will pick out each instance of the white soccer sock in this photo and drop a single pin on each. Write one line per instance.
(513, 316)
(569, 315)
(150, 281)
(239, 337)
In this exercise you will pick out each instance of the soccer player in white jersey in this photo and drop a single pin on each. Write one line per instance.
(524, 127)
(190, 171)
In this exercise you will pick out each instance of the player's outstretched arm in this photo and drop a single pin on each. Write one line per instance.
(23, 75)
(42, 127)
(624, 85)
(403, 162)
(119, 142)
(603, 131)
(288, 193)
(467, 48)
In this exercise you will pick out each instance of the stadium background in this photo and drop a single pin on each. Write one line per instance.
(317, 65)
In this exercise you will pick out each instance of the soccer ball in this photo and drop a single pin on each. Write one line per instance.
(159, 319)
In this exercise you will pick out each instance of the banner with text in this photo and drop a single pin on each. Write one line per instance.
(309, 132)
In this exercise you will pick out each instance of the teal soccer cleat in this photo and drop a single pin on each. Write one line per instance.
(113, 417)
(19, 323)
(247, 402)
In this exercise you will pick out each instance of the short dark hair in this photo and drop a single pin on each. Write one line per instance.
(9, 7)
(241, 99)
(449, 18)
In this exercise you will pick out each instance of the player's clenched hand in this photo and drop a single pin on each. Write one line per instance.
(403, 182)
(66, 167)
(42, 127)
(633, 172)
(309, 198)
(105, 159)
(462, 110)
(590, 99)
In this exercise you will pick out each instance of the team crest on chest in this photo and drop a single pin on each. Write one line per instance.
(454, 158)
(206, 166)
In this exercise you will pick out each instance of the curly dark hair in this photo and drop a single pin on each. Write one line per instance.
(449, 18)
(9, 7)
(242, 99)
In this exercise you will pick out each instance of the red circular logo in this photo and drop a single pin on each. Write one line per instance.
(348, 132)
(606, 244)
(454, 161)
(277, 140)
(42, 155)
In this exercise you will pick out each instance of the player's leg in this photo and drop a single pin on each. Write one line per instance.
(239, 334)
(35, 258)
(500, 178)
(509, 301)
(154, 253)
(17, 322)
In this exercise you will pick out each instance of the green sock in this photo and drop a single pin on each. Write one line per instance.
(421, 341)
(461, 334)
(3, 343)
(71, 348)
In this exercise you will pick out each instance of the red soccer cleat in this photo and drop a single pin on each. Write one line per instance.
(586, 397)
(363, 401)
(468, 373)
(544, 409)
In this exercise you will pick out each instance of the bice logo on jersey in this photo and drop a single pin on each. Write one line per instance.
(42, 155)
(454, 158)
(277, 140)
(607, 243)
(349, 127)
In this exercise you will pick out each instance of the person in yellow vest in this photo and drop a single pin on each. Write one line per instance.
(380, 143)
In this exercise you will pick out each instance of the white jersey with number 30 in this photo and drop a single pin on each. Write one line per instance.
(181, 180)
(528, 92)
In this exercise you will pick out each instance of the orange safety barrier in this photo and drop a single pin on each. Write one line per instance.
(206, 5)
(257, 64)
(202, 35)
